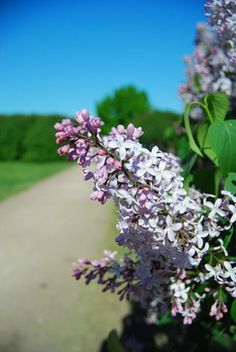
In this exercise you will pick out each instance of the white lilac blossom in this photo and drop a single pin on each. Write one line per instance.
(173, 237)
(212, 67)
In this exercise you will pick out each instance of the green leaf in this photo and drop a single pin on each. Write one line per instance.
(222, 342)
(202, 133)
(187, 167)
(227, 238)
(230, 183)
(182, 146)
(204, 179)
(222, 138)
(203, 140)
(113, 342)
(197, 83)
(187, 181)
(218, 105)
(233, 310)
(191, 140)
(217, 181)
(165, 319)
(231, 257)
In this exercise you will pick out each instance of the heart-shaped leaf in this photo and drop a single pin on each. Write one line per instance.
(203, 141)
(222, 138)
(218, 105)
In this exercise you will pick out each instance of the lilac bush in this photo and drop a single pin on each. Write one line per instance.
(176, 239)
(212, 67)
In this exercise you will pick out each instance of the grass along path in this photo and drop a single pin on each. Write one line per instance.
(17, 176)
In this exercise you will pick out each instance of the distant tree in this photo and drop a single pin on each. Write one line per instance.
(160, 128)
(123, 106)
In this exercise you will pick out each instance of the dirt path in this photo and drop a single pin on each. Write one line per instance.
(42, 309)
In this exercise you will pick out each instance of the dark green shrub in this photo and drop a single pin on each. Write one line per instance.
(39, 142)
(12, 133)
(159, 128)
(29, 138)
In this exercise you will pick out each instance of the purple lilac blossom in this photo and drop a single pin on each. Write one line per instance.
(167, 231)
(222, 17)
(212, 67)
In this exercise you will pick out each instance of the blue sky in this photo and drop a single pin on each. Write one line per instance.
(61, 56)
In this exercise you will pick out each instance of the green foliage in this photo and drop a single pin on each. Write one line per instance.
(203, 179)
(203, 141)
(39, 143)
(230, 183)
(128, 104)
(170, 335)
(233, 310)
(222, 137)
(193, 145)
(216, 136)
(217, 105)
(122, 107)
(221, 342)
(28, 138)
(158, 127)
(12, 132)
(227, 238)
(182, 148)
(113, 342)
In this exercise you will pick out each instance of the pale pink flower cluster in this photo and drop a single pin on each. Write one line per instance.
(168, 231)
(218, 309)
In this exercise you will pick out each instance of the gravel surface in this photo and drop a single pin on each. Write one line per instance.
(42, 309)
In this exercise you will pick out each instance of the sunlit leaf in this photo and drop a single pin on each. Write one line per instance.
(218, 105)
(222, 138)
(203, 141)
(192, 142)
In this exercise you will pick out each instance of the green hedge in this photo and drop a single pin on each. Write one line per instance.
(31, 138)
(28, 138)
(159, 128)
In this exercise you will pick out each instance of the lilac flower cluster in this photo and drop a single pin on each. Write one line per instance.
(113, 275)
(222, 16)
(174, 237)
(212, 67)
